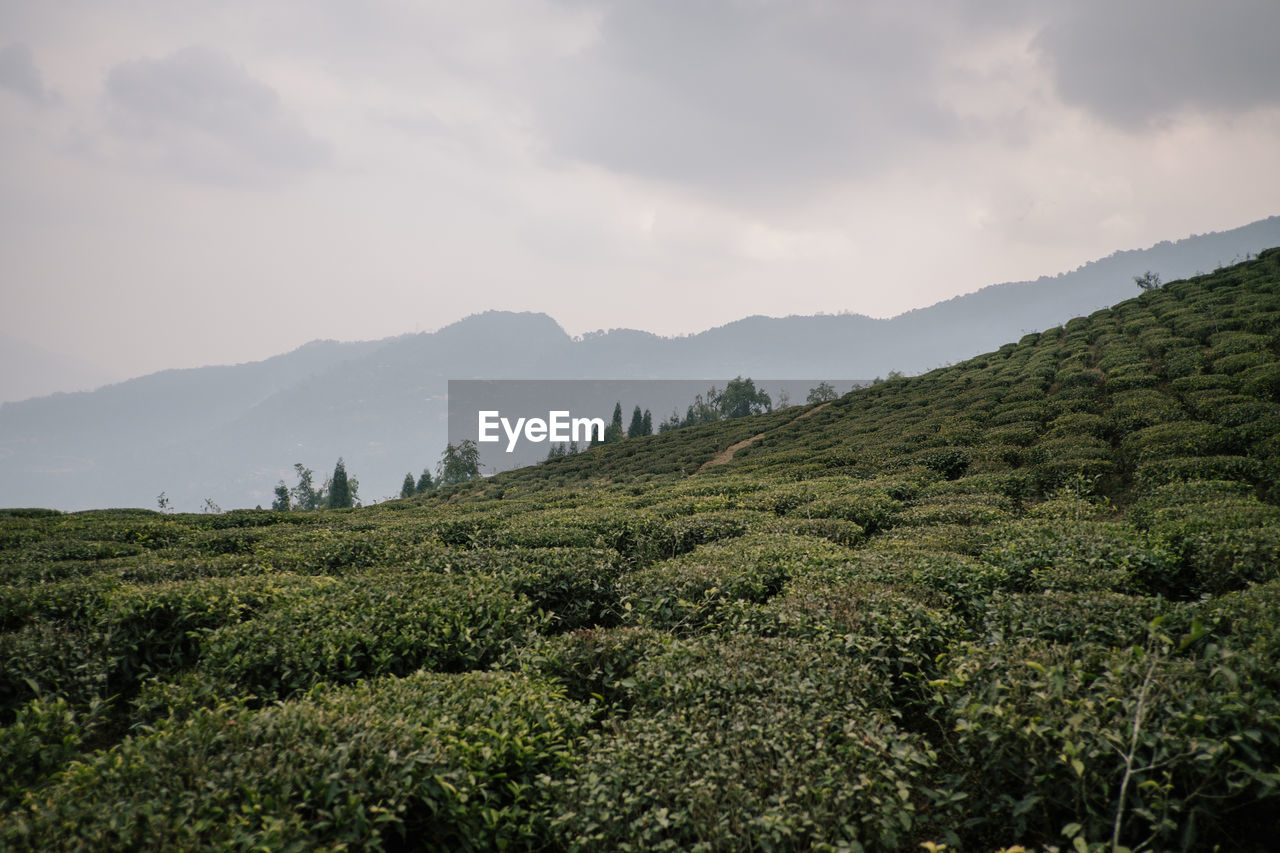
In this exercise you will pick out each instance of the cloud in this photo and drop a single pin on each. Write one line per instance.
(18, 73)
(1144, 61)
(198, 113)
(748, 95)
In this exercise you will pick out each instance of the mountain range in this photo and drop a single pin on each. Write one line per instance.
(231, 432)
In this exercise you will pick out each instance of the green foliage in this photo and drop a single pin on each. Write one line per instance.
(361, 626)
(433, 761)
(1147, 281)
(741, 398)
(459, 463)
(1028, 598)
(1140, 741)
(749, 744)
(823, 392)
(341, 489)
(641, 423)
(1084, 554)
(305, 496)
(684, 593)
(613, 432)
(590, 663)
(43, 738)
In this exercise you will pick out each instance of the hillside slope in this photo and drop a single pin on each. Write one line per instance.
(1028, 599)
(230, 433)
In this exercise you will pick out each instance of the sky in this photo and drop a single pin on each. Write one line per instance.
(186, 183)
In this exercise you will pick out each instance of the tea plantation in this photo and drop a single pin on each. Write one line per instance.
(1031, 599)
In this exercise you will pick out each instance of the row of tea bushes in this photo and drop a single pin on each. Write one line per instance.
(429, 761)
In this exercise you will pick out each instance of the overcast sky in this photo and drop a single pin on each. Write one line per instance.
(185, 183)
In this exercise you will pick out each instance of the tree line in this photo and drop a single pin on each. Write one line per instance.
(340, 491)
(460, 463)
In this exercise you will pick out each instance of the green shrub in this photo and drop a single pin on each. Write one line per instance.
(872, 510)
(364, 626)
(42, 739)
(685, 592)
(99, 642)
(1045, 554)
(1133, 410)
(1221, 535)
(429, 761)
(1177, 438)
(750, 744)
(590, 663)
(897, 630)
(1093, 617)
(1262, 382)
(1043, 736)
(835, 530)
(577, 586)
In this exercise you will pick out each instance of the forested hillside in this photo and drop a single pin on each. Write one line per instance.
(1030, 599)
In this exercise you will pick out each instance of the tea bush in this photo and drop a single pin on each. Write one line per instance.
(1029, 599)
(1045, 737)
(750, 744)
(427, 761)
(685, 592)
(365, 626)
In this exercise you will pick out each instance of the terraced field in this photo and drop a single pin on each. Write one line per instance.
(1031, 599)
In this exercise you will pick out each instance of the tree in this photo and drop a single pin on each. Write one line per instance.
(740, 398)
(821, 393)
(646, 423)
(304, 494)
(341, 493)
(407, 489)
(637, 424)
(162, 500)
(613, 432)
(281, 502)
(424, 483)
(459, 463)
(1147, 281)
(703, 411)
(211, 507)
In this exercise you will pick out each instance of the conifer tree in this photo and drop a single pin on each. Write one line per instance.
(613, 432)
(424, 483)
(637, 424)
(340, 493)
(407, 488)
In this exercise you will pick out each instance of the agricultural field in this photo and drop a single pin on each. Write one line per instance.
(1030, 599)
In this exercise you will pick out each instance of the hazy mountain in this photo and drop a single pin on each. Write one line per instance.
(231, 432)
(32, 371)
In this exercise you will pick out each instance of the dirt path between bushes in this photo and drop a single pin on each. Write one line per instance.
(726, 455)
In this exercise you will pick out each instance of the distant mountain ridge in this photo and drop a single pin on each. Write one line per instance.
(231, 432)
(33, 371)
